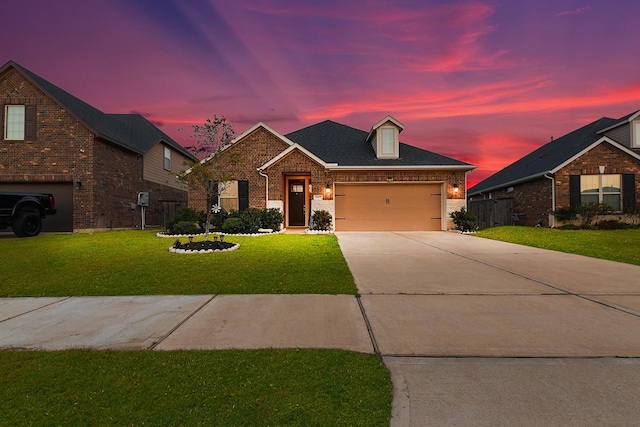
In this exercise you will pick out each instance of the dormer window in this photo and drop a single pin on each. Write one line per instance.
(388, 141)
(384, 138)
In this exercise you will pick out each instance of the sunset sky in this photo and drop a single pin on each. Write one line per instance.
(481, 81)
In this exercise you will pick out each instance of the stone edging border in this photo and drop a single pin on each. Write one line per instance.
(204, 251)
(177, 236)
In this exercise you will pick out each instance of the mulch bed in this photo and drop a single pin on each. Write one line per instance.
(203, 246)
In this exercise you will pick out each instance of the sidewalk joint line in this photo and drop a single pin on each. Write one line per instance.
(376, 349)
(36, 309)
(182, 322)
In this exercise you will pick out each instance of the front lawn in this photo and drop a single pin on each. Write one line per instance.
(615, 245)
(235, 387)
(139, 263)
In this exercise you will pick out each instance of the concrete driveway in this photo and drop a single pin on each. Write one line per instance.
(479, 332)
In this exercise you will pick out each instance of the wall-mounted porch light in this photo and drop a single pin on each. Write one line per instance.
(328, 189)
(455, 188)
(78, 185)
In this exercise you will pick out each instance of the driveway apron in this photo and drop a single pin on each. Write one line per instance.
(481, 332)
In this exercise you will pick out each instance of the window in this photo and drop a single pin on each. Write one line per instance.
(388, 141)
(20, 122)
(635, 139)
(233, 195)
(601, 189)
(167, 158)
(14, 122)
(228, 195)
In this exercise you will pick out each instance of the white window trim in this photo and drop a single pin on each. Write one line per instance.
(167, 158)
(381, 153)
(6, 123)
(602, 193)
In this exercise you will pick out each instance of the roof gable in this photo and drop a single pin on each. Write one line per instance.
(550, 157)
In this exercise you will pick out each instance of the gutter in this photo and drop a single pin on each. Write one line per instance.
(509, 184)
(552, 223)
(266, 177)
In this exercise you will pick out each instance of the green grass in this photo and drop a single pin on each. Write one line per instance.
(615, 245)
(139, 263)
(249, 387)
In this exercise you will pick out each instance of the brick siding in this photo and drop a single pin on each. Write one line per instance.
(66, 151)
(533, 200)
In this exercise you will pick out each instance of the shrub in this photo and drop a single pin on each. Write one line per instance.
(464, 220)
(569, 227)
(610, 224)
(565, 214)
(218, 218)
(272, 218)
(186, 215)
(186, 227)
(251, 219)
(233, 225)
(321, 220)
(591, 211)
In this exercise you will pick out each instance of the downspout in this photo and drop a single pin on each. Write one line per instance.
(553, 200)
(266, 177)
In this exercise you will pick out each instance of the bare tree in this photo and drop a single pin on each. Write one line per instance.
(211, 138)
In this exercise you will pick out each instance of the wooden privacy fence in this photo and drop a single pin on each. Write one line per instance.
(493, 212)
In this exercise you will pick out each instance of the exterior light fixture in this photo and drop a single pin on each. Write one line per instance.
(78, 185)
(455, 188)
(328, 189)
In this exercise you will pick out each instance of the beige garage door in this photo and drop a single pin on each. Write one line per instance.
(388, 207)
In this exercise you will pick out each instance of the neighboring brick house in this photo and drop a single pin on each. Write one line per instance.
(366, 180)
(95, 164)
(599, 162)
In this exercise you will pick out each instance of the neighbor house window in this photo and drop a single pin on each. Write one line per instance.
(635, 139)
(167, 158)
(605, 189)
(233, 195)
(388, 141)
(19, 122)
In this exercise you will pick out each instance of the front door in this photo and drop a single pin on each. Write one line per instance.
(296, 208)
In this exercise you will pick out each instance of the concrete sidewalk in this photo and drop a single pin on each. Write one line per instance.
(184, 322)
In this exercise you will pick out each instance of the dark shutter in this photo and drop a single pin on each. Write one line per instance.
(29, 122)
(574, 191)
(214, 194)
(628, 191)
(243, 195)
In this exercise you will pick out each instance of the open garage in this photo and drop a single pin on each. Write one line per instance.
(63, 194)
(388, 207)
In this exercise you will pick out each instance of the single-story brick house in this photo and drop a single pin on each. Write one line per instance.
(365, 180)
(95, 164)
(599, 162)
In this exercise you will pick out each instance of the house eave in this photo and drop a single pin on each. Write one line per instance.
(337, 167)
(510, 183)
(620, 123)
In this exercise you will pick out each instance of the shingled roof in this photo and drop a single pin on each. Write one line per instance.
(130, 131)
(546, 158)
(346, 146)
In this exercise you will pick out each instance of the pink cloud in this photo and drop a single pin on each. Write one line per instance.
(577, 11)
